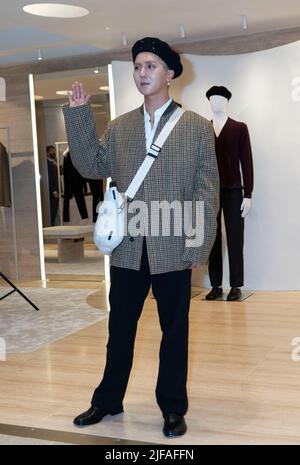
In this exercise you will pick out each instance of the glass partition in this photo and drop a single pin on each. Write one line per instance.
(68, 200)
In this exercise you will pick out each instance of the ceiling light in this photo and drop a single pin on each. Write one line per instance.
(244, 21)
(182, 31)
(40, 55)
(97, 71)
(124, 39)
(38, 97)
(63, 92)
(55, 10)
(107, 28)
(104, 88)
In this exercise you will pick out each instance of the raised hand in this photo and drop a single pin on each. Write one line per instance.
(78, 96)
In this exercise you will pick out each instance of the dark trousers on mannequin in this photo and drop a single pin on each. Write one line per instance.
(230, 204)
(129, 288)
(80, 201)
(96, 187)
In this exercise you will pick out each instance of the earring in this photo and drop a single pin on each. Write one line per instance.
(168, 83)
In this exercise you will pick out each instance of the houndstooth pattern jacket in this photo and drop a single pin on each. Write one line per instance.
(185, 170)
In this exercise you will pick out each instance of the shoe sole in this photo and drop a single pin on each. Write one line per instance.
(95, 422)
(174, 435)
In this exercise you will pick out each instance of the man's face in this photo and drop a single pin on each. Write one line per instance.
(52, 154)
(150, 74)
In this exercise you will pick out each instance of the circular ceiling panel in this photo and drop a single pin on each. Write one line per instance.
(55, 10)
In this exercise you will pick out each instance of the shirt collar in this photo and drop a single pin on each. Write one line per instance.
(160, 111)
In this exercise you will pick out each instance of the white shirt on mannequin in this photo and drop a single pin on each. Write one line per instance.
(219, 106)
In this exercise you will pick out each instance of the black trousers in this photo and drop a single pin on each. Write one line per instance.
(80, 201)
(129, 288)
(96, 187)
(230, 203)
(54, 203)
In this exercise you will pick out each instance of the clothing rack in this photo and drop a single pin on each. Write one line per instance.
(14, 234)
(15, 289)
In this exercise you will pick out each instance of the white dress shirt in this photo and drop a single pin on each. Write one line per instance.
(149, 132)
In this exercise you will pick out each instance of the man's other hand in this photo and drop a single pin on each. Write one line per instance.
(193, 265)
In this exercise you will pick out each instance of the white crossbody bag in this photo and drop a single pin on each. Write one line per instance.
(109, 228)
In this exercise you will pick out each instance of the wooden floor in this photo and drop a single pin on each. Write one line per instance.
(244, 387)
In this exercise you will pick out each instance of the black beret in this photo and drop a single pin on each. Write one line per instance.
(219, 90)
(161, 49)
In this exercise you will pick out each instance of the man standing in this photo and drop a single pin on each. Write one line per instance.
(52, 182)
(185, 171)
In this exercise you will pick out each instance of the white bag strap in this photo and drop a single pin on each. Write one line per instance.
(153, 153)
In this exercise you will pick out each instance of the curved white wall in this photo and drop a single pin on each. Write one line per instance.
(266, 96)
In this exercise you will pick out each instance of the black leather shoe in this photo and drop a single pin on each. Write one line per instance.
(214, 294)
(93, 415)
(174, 426)
(234, 294)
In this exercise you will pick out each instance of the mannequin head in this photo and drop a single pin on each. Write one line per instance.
(219, 97)
(219, 104)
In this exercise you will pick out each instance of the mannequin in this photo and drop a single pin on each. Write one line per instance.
(53, 183)
(233, 150)
(74, 185)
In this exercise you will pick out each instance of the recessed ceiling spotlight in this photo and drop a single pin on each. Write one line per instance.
(104, 88)
(107, 28)
(38, 97)
(63, 92)
(124, 39)
(40, 55)
(96, 71)
(244, 22)
(182, 31)
(55, 10)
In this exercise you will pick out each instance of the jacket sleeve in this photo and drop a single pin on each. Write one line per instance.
(5, 191)
(206, 198)
(89, 156)
(246, 161)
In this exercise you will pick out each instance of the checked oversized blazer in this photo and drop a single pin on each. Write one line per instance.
(185, 170)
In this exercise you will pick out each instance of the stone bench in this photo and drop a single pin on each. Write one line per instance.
(70, 240)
